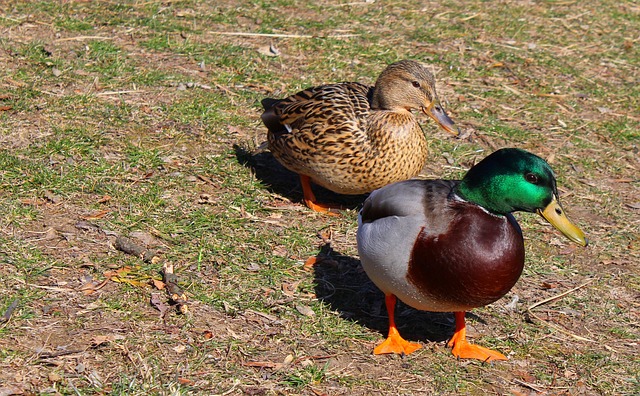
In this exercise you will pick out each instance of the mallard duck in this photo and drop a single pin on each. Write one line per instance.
(449, 246)
(352, 138)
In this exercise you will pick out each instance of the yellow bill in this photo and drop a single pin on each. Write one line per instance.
(554, 214)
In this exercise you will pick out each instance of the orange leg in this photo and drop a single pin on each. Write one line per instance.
(465, 350)
(394, 343)
(310, 198)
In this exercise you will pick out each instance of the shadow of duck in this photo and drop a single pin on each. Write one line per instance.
(342, 284)
(281, 181)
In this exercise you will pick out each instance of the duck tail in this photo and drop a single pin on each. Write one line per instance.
(268, 103)
(270, 117)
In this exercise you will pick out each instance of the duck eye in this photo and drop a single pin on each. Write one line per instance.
(531, 178)
(415, 84)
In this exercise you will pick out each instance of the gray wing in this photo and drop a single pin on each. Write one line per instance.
(421, 198)
(388, 225)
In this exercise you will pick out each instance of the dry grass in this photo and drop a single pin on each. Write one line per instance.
(140, 119)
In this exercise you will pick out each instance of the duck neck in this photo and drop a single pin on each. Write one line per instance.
(378, 101)
(385, 98)
(484, 195)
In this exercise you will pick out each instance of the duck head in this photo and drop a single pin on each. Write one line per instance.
(410, 86)
(511, 180)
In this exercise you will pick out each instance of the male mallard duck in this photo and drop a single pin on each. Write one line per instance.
(351, 138)
(449, 246)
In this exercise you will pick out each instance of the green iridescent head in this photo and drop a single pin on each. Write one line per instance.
(511, 180)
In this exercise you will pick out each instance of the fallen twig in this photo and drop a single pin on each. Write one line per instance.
(556, 297)
(281, 35)
(527, 385)
(556, 327)
(81, 38)
(49, 355)
(52, 288)
(128, 246)
(176, 295)
(7, 314)
(106, 93)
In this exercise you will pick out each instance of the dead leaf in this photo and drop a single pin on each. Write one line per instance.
(6, 108)
(54, 377)
(305, 310)
(185, 381)
(288, 360)
(92, 286)
(279, 251)
(126, 275)
(96, 215)
(132, 282)
(105, 339)
(33, 201)
(254, 391)
(290, 288)
(326, 235)
(310, 263)
(269, 50)
(273, 365)
(315, 391)
(158, 304)
(105, 198)
(158, 284)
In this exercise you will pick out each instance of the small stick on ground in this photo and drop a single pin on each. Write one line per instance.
(50, 355)
(560, 329)
(176, 295)
(128, 246)
(559, 295)
(7, 314)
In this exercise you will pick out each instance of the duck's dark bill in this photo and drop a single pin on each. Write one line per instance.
(554, 214)
(441, 117)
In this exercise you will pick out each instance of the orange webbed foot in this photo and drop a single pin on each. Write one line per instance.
(463, 349)
(396, 344)
(323, 208)
(310, 199)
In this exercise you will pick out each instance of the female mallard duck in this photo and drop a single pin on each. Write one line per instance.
(447, 245)
(351, 138)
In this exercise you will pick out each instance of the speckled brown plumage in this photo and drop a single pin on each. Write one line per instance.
(352, 138)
